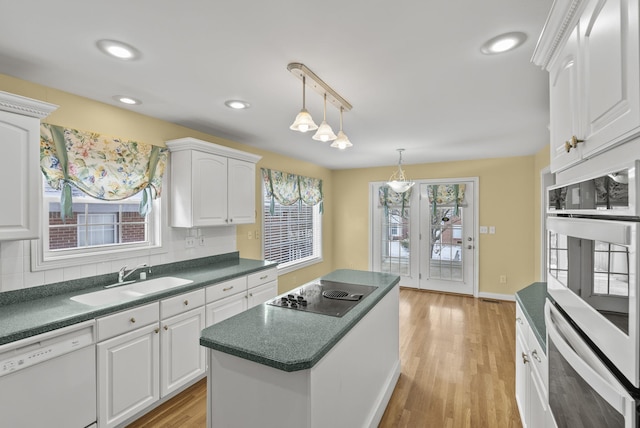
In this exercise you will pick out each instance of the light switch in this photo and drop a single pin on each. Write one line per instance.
(483, 229)
(492, 230)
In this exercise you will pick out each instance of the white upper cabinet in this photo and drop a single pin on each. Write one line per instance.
(20, 176)
(211, 185)
(591, 49)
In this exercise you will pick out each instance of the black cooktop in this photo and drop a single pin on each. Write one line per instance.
(324, 297)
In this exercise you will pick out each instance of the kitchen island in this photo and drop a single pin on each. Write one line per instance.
(277, 367)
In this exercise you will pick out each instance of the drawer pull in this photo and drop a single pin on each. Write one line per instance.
(264, 277)
(132, 320)
(228, 288)
(535, 355)
(525, 359)
(519, 320)
(186, 302)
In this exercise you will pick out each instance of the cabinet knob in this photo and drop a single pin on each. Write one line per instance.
(157, 330)
(186, 302)
(535, 355)
(166, 327)
(574, 141)
(567, 146)
(525, 358)
(132, 320)
(230, 220)
(519, 320)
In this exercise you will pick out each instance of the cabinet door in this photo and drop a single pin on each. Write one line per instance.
(19, 177)
(611, 72)
(209, 189)
(225, 308)
(537, 401)
(564, 105)
(128, 374)
(182, 357)
(262, 293)
(242, 192)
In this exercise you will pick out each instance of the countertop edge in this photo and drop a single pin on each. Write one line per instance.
(531, 299)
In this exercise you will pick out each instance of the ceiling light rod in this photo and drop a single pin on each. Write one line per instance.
(300, 70)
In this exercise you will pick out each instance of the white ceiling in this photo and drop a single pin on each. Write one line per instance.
(412, 70)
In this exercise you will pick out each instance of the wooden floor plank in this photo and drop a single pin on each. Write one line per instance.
(458, 368)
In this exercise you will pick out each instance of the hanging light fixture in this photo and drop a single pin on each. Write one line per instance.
(398, 181)
(324, 132)
(342, 142)
(304, 122)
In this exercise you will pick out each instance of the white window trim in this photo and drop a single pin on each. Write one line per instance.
(284, 268)
(157, 225)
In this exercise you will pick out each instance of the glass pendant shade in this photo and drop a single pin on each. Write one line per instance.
(304, 122)
(324, 132)
(342, 141)
(398, 182)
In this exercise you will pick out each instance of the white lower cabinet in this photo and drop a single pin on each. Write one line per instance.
(182, 357)
(232, 297)
(128, 363)
(532, 395)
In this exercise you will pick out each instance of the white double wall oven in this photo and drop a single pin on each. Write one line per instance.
(592, 313)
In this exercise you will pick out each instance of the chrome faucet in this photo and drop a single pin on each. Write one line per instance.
(121, 274)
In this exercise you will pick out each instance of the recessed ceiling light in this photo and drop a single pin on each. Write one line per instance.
(118, 50)
(503, 43)
(126, 100)
(237, 104)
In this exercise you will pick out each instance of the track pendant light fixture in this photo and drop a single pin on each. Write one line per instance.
(342, 142)
(304, 122)
(398, 181)
(324, 132)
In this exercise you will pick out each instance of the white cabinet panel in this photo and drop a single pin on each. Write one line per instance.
(211, 185)
(182, 357)
(128, 374)
(20, 177)
(262, 293)
(226, 308)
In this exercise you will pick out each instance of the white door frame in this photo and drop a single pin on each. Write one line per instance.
(415, 230)
(546, 179)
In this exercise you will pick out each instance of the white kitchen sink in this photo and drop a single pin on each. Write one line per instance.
(127, 292)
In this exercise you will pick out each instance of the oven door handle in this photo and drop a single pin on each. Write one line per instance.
(587, 365)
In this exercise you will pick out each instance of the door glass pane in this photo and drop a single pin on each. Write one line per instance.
(446, 233)
(395, 248)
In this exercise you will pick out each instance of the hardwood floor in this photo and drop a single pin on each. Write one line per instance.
(458, 368)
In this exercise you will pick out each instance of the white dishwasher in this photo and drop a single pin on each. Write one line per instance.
(49, 380)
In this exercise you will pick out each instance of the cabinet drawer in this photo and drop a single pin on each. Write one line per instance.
(522, 327)
(227, 288)
(129, 320)
(182, 303)
(262, 277)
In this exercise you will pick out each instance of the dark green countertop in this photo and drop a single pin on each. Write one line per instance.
(33, 311)
(531, 299)
(293, 340)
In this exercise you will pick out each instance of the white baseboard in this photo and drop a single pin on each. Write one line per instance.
(496, 296)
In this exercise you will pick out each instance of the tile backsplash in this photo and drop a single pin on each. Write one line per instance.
(15, 258)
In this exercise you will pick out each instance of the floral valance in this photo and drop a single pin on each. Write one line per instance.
(446, 194)
(387, 198)
(288, 188)
(103, 167)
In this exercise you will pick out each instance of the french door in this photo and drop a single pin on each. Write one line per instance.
(430, 245)
(447, 236)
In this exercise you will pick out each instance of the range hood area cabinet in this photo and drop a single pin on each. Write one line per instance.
(591, 49)
(20, 176)
(211, 185)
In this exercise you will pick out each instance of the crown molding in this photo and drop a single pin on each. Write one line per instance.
(25, 106)
(561, 21)
(189, 143)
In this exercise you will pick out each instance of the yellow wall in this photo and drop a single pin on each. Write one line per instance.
(509, 193)
(82, 113)
(505, 186)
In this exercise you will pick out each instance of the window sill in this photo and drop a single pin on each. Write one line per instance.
(299, 265)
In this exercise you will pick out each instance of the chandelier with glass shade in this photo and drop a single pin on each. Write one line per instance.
(398, 182)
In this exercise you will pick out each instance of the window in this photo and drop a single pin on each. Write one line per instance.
(395, 245)
(95, 229)
(292, 235)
